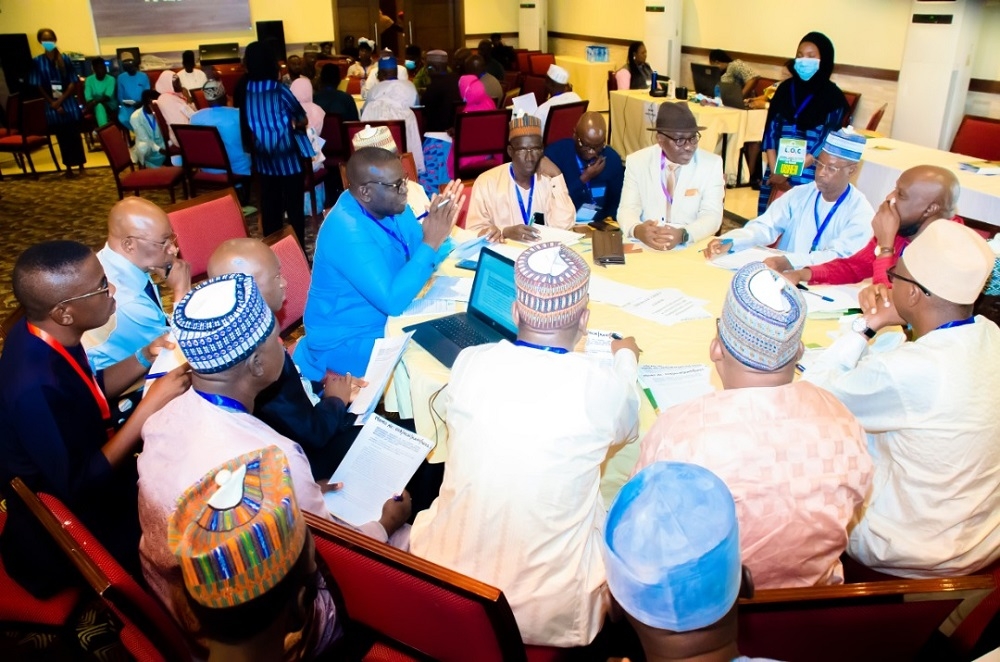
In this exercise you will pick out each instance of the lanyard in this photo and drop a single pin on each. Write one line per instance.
(525, 213)
(833, 210)
(151, 120)
(399, 240)
(663, 178)
(954, 323)
(86, 375)
(803, 106)
(586, 185)
(223, 401)
(544, 348)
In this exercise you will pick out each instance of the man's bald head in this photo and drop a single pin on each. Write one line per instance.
(591, 135)
(253, 258)
(134, 214)
(140, 231)
(47, 273)
(925, 193)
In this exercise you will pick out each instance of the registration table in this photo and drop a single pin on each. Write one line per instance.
(589, 79)
(419, 376)
(633, 112)
(884, 159)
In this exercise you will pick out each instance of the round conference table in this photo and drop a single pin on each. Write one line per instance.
(419, 376)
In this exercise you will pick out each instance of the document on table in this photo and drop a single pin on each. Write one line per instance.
(450, 288)
(739, 259)
(605, 290)
(470, 249)
(385, 355)
(599, 345)
(669, 385)
(564, 237)
(844, 297)
(429, 307)
(381, 461)
(667, 306)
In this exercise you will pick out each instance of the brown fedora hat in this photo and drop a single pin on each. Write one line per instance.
(675, 117)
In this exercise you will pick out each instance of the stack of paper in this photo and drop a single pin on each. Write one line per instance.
(669, 385)
(605, 290)
(385, 355)
(739, 259)
(450, 288)
(599, 346)
(667, 306)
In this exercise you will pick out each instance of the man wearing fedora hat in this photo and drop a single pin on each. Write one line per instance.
(673, 190)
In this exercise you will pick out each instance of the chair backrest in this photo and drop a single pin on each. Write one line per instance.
(612, 82)
(202, 223)
(354, 84)
(876, 118)
(762, 84)
(198, 97)
(562, 120)
(33, 118)
(13, 114)
(115, 148)
(418, 113)
(511, 80)
(523, 60)
(536, 86)
(333, 133)
(295, 269)
(464, 211)
(162, 123)
(879, 620)
(978, 137)
(148, 631)
(440, 613)
(396, 127)
(480, 132)
(538, 64)
(202, 147)
(852, 104)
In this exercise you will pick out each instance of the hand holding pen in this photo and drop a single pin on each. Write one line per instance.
(619, 342)
(443, 213)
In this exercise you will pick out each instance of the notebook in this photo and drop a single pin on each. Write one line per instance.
(487, 320)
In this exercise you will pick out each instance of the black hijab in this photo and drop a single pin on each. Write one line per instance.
(826, 96)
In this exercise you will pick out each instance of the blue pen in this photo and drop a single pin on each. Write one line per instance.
(815, 294)
(727, 242)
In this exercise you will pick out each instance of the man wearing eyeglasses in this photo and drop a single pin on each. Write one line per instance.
(140, 243)
(929, 407)
(816, 222)
(592, 170)
(673, 191)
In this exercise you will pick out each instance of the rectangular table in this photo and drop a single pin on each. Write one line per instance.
(589, 79)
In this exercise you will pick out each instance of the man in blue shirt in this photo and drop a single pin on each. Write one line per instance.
(593, 171)
(227, 121)
(131, 84)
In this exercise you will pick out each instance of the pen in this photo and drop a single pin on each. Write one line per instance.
(427, 213)
(801, 368)
(616, 336)
(652, 400)
(815, 294)
(727, 242)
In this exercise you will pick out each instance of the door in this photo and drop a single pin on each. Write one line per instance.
(434, 24)
(357, 18)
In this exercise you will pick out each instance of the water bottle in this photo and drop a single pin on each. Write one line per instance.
(718, 92)
(652, 87)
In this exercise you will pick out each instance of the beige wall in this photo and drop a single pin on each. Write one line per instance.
(485, 16)
(620, 19)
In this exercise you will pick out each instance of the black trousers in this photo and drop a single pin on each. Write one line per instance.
(70, 144)
(281, 195)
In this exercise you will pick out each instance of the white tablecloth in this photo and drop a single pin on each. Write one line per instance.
(589, 79)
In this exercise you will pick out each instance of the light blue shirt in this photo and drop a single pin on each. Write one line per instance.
(227, 121)
(130, 88)
(137, 319)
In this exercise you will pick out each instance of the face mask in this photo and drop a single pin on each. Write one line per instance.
(806, 67)
(411, 65)
(49, 46)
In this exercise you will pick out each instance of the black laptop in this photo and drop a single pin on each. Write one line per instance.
(706, 77)
(488, 318)
(732, 95)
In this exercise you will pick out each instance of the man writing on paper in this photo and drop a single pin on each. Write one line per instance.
(230, 338)
(815, 222)
(372, 258)
(506, 199)
(593, 172)
(929, 407)
(793, 511)
(519, 506)
(673, 191)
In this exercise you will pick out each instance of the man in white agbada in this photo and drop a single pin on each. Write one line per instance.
(560, 92)
(393, 99)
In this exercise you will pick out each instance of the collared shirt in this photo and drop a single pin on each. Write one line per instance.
(227, 121)
(494, 201)
(130, 88)
(137, 320)
(269, 110)
(194, 80)
(604, 190)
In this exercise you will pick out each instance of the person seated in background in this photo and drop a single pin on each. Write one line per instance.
(372, 258)
(509, 199)
(559, 90)
(792, 455)
(475, 65)
(59, 434)
(230, 338)
(413, 60)
(150, 148)
(381, 136)
(247, 605)
(503, 53)
(636, 74)
(440, 95)
(173, 103)
(131, 84)
(593, 171)
(140, 242)
(99, 93)
(325, 50)
(421, 76)
(459, 58)
(378, 74)
(321, 426)
(520, 505)
(923, 194)
(310, 54)
(734, 71)
(227, 120)
(492, 65)
(393, 98)
(929, 407)
(671, 547)
(331, 98)
(364, 64)
(293, 70)
(814, 222)
(673, 190)
(191, 78)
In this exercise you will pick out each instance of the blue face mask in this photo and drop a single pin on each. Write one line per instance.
(806, 67)
(49, 46)
(411, 65)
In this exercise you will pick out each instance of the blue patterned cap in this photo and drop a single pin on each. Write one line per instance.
(993, 284)
(845, 144)
(387, 62)
(221, 322)
(762, 318)
(672, 547)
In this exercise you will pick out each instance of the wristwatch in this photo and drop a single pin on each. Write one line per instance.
(860, 325)
(883, 250)
(684, 236)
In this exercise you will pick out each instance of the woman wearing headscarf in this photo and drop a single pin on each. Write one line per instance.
(474, 94)
(636, 74)
(807, 106)
(53, 74)
(172, 103)
(302, 89)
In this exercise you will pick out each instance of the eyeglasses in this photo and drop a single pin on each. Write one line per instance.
(682, 141)
(400, 185)
(823, 166)
(891, 273)
(525, 151)
(103, 289)
(163, 245)
(591, 148)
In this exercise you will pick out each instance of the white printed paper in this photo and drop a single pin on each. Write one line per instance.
(381, 461)
(385, 355)
(844, 297)
(164, 362)
(739, 259)
(673, 384)
(667, 307)
(599, 345)
(450, 288)
(605, 290)
(564, 237)
(526, 102)
(429, 307)
(470, 249)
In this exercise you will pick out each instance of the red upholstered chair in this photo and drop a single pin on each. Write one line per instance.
(477, 133)
(354, 84)
(31, 136)
(148, 632)
(396, 127)
(415, 607)
(202, 223)
(852, 104)
(876, 118)
(202, 148)
(12, 116)
(464, 211)
(978, 137)
(762, 84)
(536, 86)
(538, 64)
(295, 269)
(561, 122)
(168, 137)
(523, 60)
(145, 179)
(198, 97)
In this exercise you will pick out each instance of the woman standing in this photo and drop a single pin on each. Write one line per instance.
(636, 74)
(807, 107)
(53, 74)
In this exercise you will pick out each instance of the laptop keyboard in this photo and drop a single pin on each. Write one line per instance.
(460, 331)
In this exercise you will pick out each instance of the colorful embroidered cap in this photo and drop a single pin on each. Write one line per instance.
(238, 531)
(762, 318)
(525, 125)
(552, 283)
(952, 261)
(214, 90)
(557, 74)
(221, 322)
(845, 144)
(375, 136)
(672, 548)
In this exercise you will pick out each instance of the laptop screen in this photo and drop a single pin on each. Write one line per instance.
(493, 292)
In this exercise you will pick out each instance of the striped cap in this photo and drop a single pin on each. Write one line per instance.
(375, 136)
(552, 283)
(845, 144)
(525, 125)
(238, 531)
